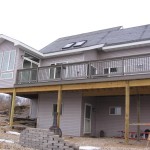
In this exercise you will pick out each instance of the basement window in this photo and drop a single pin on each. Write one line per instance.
(113, 110)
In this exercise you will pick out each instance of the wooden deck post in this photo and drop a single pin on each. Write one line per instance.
(127, 111)
(59, 102)
(12, 107)
(138, 117)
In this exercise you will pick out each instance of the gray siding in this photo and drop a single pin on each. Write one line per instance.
(90, 55)
(123, 53)
(33, 108)
(63, 59)
(8, 46)
(111, 124)
(71, 112)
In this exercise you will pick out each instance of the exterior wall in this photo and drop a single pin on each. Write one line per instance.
(8, 46)
(89, 100)
(33, 108)
(111, 124)
(90, 55)
(70, 122)
(123, 53)
(63, 59)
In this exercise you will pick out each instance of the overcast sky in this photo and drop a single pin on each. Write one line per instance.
(40, 22)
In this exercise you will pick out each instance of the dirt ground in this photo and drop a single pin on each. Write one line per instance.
(103, 143)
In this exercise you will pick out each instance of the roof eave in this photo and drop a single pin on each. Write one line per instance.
(126, 45)
(28, 49)
(22, 46)
(74, 51)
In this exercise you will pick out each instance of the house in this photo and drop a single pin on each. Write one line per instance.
(96, 81)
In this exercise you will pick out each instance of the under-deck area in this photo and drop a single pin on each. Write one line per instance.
(132, 96)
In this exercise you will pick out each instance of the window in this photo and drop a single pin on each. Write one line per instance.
(79, 43)
(68, 45)
(8, 60)
(7, 63)
(30, 61)
(113, 69)
(8, 75)
(55, 109)
(106, 70)
(29, 75)
(93, 70)
(26, 55)
(114, 110)
(1, 55)
(110, 70)
(55, 70)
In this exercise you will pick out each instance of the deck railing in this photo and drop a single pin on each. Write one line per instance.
(85, 70)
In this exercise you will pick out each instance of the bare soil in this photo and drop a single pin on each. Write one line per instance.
(103, 143)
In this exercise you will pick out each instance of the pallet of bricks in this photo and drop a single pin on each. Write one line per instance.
(43, 139)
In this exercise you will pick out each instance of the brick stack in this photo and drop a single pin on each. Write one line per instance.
(43, 139)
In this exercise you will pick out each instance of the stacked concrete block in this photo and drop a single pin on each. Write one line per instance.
(43, 139)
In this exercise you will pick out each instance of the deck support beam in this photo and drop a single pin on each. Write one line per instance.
(59, 102)
(138, 117)
(12, 107)
(127, 111)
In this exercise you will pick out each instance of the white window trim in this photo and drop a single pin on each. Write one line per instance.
(109, 72)
(6, 73)
(30, 61)
(115, 107)
(8, 61)
(1, 61)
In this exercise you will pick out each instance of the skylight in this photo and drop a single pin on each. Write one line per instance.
(79, 43)
(68, 45)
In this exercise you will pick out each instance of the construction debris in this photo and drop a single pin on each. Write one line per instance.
(43, 139)
(6, 141)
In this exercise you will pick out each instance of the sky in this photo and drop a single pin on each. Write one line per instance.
(37, 23)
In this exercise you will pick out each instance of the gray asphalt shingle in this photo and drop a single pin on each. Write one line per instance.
(93, 38)
(110, 36)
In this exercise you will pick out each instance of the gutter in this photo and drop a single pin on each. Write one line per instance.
(74, 51)
(60, 53)
(127, 45)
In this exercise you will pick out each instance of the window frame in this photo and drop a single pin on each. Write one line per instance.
(31, 61)
(1, 60)
(109, 70)
(69, 45)
(7, 73)
(78, 45)
(55, 69)
(4, 71)
(115, 114)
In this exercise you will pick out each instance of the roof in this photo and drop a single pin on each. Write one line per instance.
(108, 37)
(92, 38)
(128, 35)
(116, 38)
(21, 45)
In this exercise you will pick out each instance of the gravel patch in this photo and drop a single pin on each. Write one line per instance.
(109, 143)
(103, 143)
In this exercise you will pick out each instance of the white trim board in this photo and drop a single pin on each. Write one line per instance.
(126, 45)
